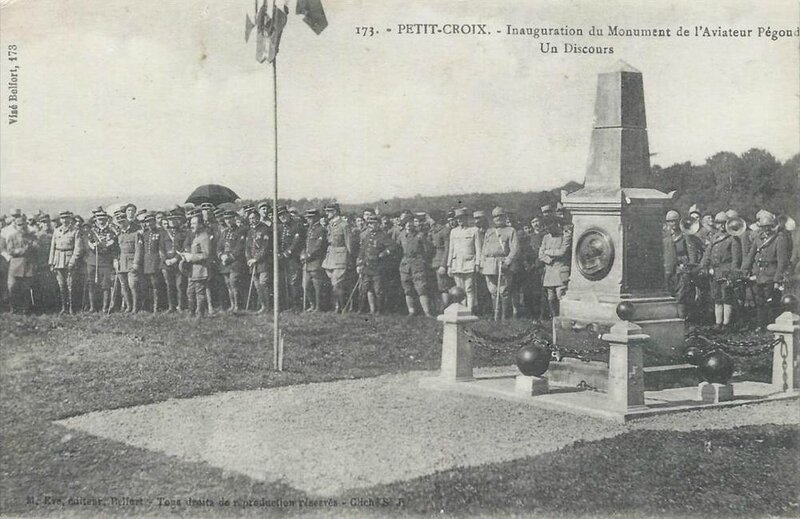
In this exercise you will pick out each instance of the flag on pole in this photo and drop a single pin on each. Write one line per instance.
(269, 30)
(313, 14)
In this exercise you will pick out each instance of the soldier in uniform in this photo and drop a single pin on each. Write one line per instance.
(152, 238)
(289, 246)
(376, 248)
(339, 255)
(767, 261)
(65, 249)
(265, 212)
(21, 247)
(312, 256)
(232, 261)
(128, 264)
(484, 298)
(258, 252)
(440, 235)
(720, 258)
(45, 284)
(682, 255)
(463, 255)
(211, 227)
(197, 255)
(556, 254)
(101, 246)
(535, 298)
(130, 215)
(500, 249)
(414, 271)
(172, 244)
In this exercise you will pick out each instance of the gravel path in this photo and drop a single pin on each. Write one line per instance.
(329, 437)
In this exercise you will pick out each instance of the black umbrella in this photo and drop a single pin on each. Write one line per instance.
(214, 193)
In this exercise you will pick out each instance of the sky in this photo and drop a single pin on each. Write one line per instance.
(159, 96)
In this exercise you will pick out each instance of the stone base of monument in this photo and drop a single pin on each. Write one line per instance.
(570, 372)
(529, 385)
(501, 383)
(712, 393)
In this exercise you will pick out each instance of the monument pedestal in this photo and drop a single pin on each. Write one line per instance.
(617, 223)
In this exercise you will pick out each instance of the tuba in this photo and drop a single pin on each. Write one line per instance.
(736, 226)
(689, 226)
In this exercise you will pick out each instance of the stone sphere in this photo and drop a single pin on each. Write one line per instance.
(717, 367)
(625, 311)
(693, 355)
(789, 303)
(533, 360)
(456, 294)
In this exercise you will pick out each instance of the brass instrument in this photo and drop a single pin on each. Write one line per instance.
(736, 226)
(689, 226)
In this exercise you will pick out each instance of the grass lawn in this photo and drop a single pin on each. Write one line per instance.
(54, 367)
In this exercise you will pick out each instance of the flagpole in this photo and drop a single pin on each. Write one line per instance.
(275, 266)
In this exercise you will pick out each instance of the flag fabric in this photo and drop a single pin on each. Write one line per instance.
(269, 30)
(313, 14)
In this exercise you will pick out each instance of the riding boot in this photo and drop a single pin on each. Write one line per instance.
(155, 300)
(106, 301)
(318, 298)
(133, 305)
(69, 300)
(92, 294)
(505, 307)
(371, 301)
(210, 301)
(63, 292)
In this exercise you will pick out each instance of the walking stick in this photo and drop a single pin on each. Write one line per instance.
(250, 289)
(305, 287)
(112, 302)
(497, 291)
(349, 303)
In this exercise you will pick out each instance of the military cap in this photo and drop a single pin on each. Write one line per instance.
(248, 208)
(547, 208)
(421, 215)
(461, 211)
(176, 214)
(206, 205)
(282, 210)
(478, 214)
(732, 213)
(721, 217)
(126, 206)
(694, 210)
(498, 211)
(333, 206)
(17, 213)
(673, 216)
(218, 212)
(451, 214)
(767, 219)
(263, 204)
(99, 212)
(149, 216)
(119, 213)
(311, 212)
(65, 214)
(161, 214)
(294, 210)
(188, 206)
(229, 212)
(372, 219)
(760, 212)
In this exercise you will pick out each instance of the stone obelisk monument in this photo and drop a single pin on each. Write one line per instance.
(617, 238)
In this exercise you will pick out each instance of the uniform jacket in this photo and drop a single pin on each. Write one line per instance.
(130, 251)
(315, 247)
(768, 258)
(340, 245)
(21, 246)
(102, 247)
(66, 247)
(44, 241)
(558, 249)
(375, 251)
(441, 238)
(464, 250)
(500, 247)
(258, 246)
(417, 251)
(173, 242)
(291, 239)
(199, 254)
(231, 247)
(681, 250)
(151, 250)
(723, 254)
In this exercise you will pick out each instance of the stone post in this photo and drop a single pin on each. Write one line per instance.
(456, 348)
(625, 363)
(786, 358)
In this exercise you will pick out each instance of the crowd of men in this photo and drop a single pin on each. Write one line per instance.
(718, 263)
(204, 259)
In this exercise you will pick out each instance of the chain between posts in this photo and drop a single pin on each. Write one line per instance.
(743, 348)
(507, 344)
